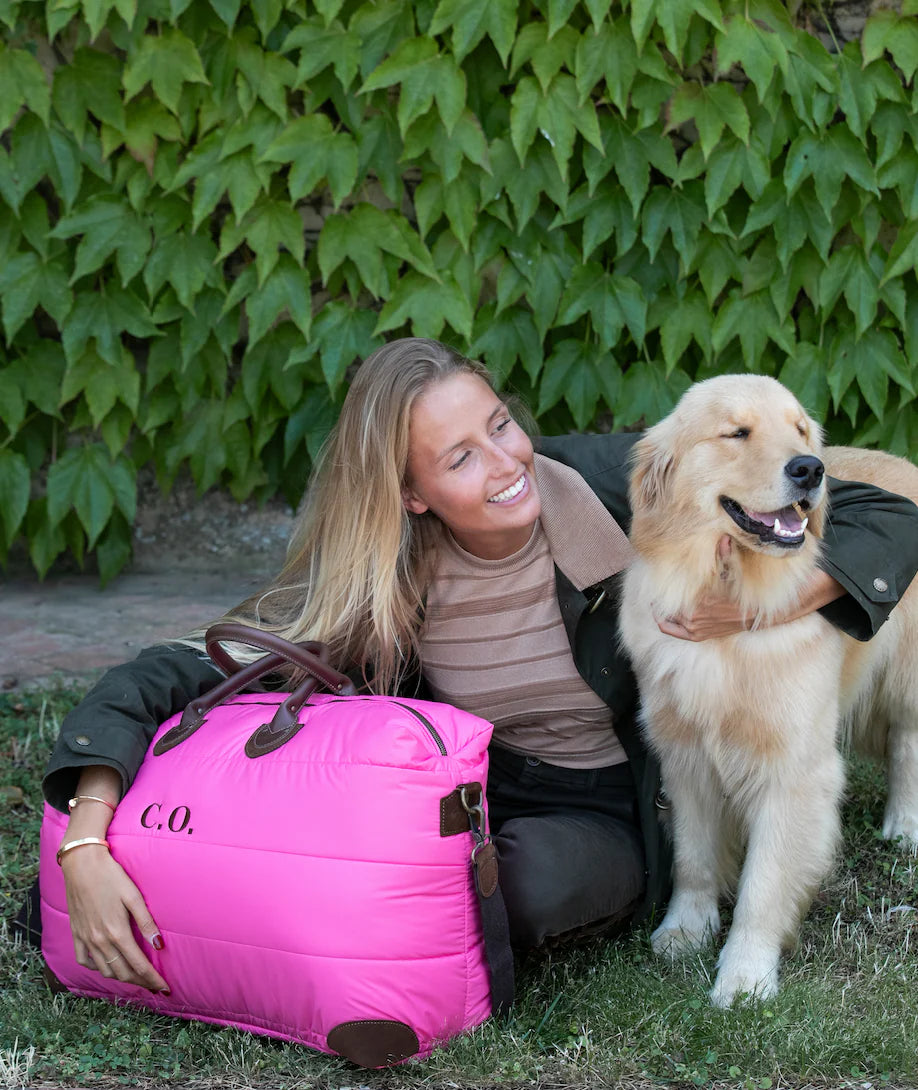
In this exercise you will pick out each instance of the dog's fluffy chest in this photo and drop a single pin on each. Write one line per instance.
(725, 693)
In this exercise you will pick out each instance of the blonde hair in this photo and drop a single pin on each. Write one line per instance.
(358, 563)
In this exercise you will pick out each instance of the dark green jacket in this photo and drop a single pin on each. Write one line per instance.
(873, 535)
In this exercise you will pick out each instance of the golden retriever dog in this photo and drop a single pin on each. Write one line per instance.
(747, 727)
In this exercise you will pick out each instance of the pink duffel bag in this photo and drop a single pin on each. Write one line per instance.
(317, 863)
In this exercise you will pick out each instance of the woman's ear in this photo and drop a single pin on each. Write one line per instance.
(413, 502)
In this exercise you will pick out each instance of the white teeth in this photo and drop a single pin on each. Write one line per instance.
(509, 493)
(803, 525)
(777, 526)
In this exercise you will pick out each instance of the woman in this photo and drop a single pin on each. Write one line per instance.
(439, 555)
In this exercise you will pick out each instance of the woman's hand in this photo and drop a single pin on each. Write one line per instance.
(101, 899)
(717, 615)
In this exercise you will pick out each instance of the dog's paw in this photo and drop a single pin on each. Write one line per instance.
(685, 932)
(744, 976)
(902, 825)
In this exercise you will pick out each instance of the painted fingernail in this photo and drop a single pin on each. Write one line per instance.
(165, 991)
(156, 941)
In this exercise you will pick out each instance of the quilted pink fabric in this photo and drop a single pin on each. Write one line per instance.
(306, 887)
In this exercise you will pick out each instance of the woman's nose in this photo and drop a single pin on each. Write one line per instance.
(500, 459)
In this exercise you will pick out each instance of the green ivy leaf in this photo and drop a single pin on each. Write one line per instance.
(725, 172)
(109, 226)
(546, 52)
(39, 151)
(102, 383)
(754, 320)
(342, 334)
(525, 187)
(608, 214)
(584, 375)
(648, 393)
(903, 254)
(687, 319)
(756, 47)
(147, 122)
(424, 74)
(184, 260)
(266, 75)
(557, 115)
(848, 271)
(90, 84)
(167, 61)
(716, 263)
(311, 423)
(888, 31)
(628, 154)
(471, 20)
(27, 282)
(90, 482)
(828, 160)
(15, 489)
(269, 226)
(287, 288)
(361, 235)
(613, 302)
(804, 372)
(427, 305)
(503, 338)
(679, 213)
(713, 108)
(22, 83)
(606, 52)
(113, 549)
(46, 539)
(322, 45)
(857, 93)
(12, 401)
(104, 316)
(316, 152)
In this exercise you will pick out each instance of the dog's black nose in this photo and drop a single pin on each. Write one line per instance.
(805, 470)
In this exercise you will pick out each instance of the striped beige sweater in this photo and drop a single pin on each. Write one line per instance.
(494, 642)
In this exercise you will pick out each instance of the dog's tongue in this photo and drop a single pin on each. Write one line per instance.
(787, 519)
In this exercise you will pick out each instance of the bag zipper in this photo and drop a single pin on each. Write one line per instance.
(431, 729)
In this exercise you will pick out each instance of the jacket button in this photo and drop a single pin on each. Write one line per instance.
(82, 740)
(880, 584)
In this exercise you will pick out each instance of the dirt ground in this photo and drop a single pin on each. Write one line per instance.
(193, 559)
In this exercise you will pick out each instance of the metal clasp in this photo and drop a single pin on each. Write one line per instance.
(477, 819)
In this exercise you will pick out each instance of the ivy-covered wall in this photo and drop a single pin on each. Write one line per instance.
(209, 210)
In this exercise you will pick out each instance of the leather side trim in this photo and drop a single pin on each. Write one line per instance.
(373, 1042)
(454, 818)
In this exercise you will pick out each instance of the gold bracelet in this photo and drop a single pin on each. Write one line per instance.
(79, 844)
(88, 798)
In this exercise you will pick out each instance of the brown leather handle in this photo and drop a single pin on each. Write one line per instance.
(310, 657)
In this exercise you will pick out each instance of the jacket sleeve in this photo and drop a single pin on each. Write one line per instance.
(114, 723)
(871, 541)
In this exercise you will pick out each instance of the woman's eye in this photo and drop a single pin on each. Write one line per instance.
(503, 424)
(460, 461)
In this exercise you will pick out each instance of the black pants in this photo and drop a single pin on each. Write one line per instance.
(570, 847)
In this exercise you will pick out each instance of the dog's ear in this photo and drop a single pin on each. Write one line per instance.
(652, 465)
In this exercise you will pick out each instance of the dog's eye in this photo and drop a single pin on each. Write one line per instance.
(740, 433)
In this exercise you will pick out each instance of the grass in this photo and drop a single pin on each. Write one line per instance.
(606, 1014)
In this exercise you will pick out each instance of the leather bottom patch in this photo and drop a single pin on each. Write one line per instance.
(373, 1042)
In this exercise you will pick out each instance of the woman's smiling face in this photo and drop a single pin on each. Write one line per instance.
(471, 464)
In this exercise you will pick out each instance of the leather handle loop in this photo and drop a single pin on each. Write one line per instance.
(310, 657)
